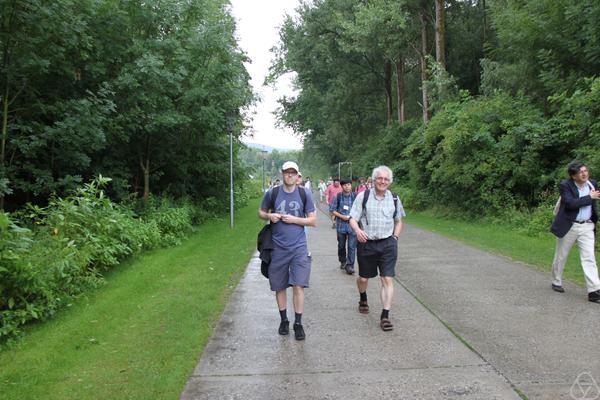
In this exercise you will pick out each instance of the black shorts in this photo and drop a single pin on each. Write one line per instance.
(377, 255)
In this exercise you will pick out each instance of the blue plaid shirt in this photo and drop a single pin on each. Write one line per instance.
(344, 207)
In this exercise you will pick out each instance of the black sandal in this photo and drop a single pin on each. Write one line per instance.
(363, 307)
(386, 324)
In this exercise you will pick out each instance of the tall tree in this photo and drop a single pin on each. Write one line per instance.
(440, 33)
(423, 62)
(382, 24)
(136, 90)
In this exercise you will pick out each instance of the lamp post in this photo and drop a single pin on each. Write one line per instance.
(230, 121)
(340, 168)
(264, 152)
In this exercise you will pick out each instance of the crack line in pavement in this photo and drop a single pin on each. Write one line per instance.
(336, 371)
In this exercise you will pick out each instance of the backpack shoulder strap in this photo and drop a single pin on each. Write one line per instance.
(274, 193)
(395, 197)
(338, 197)
(302, 196)
(364, 205)
(365, 198)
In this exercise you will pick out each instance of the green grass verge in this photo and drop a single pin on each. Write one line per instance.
(502, 240)
(140, 336)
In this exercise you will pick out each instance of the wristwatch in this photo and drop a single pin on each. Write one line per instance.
(395, 237)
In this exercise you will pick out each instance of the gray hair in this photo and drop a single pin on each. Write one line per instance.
(382, 168)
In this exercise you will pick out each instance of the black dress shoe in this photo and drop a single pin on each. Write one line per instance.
(594, 296)
(299, 332)
(558, 288)
(284, 327)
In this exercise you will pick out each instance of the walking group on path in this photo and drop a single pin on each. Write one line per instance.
(460, 330)
(368, 223)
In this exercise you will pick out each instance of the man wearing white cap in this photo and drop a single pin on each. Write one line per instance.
(289, 208)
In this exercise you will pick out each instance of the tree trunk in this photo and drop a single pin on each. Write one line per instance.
(4, 138)
(5, 62)
(484, 21)
(146, 171)
(388, 91)
(400, 88)
(440, 33)
(425, 104)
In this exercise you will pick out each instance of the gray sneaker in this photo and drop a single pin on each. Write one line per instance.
(349, 269)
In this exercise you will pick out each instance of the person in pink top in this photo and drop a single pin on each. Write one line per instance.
(331, 192)
(361, 186)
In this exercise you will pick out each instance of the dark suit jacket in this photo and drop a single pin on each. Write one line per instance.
(570, 203)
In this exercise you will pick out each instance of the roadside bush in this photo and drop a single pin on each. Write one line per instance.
(481, 155)
(174, 221)
(52, 254)
(387, 148)
(574, 130)
(102, 232)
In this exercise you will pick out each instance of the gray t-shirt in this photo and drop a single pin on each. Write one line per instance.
(289, 236)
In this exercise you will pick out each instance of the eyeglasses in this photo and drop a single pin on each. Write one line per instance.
(290, 173)
(382, 179)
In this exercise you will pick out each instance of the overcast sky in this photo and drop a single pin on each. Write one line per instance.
(257, 31)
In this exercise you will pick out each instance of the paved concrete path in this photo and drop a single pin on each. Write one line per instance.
(468, 325)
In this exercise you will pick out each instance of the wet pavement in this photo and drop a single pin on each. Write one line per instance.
(467, 325)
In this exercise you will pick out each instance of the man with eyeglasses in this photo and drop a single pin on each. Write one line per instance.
(376, 218)
(576, 222)
(289, 210)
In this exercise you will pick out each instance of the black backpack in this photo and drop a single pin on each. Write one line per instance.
(264, 240)
(364, 205)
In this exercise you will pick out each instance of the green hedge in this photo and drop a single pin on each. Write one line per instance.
(52, 254)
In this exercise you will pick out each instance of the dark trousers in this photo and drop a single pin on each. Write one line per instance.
(346, 256)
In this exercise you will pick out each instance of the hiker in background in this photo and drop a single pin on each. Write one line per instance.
(576, 222)
(369, 183)
(299, 181)
(308, 184)
(331, 192)
(346, 238)
(290, 209)
(361, 186)
(376, 218)
(322, 189)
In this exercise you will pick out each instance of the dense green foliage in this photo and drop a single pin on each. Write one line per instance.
(140, 335)
(488, 129)
(147, 93)
(141, 91)
(59, 251)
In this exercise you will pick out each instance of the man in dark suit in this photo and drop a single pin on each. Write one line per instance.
(575, 222)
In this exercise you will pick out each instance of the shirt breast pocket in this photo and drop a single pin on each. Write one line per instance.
(388, 212)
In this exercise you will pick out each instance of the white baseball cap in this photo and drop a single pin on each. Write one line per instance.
(290, 164)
